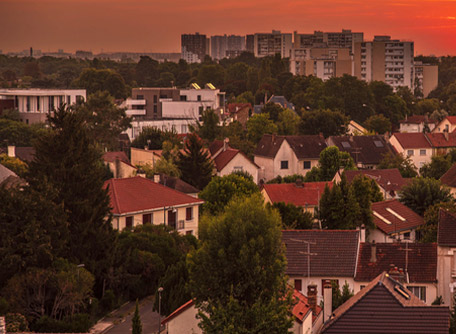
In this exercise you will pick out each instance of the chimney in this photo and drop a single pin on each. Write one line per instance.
(157, 178)
(373, 252)
(397, 274)
(312, 297)
(11, 151)
(225, 144)
(447, 135)
(327, 300)
(299, 183)
(362, 233)
(140, 172)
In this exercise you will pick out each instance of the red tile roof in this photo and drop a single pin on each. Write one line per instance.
(412, 140)
(449, 178)
(335, 252)
(388, 179)
(400, 216)
(446, 235)
(224, 157)
(386, 306)
(301, 307)
(138, 193)
(451, 119)
(178, 311)
(421, 266)
(418, 119)
(215, 146)
(309, 194)
(439, 140)
(305, 147)
(235, 107)
(113, 156)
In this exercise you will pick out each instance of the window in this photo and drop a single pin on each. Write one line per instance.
(140, 97)
(346, 144)
(51, 103)
(38, 103)
(409, 152)
(68, 99)
(183, 98)
(284, 164)
(407, 236)
(419, 291)
(129, 222)
(200, 110)
(198, 98)
(28, 103)
(306, 165)
(155, 109)
(298, 284)
(189, 233)
(422, 152)
(155, 98)
(147, 218)
(189, 213)
(378, 143)
(183, 128)
(237, 169)
(181, 224)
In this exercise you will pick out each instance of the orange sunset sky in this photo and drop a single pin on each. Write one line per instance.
(156, 25)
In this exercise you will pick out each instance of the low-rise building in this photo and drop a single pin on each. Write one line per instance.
(119, 164)
(416, 146)
(448, 124)
(417, 123)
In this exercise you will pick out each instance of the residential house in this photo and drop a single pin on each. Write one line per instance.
(176, 184)
(390, 181)
(446, 249)
(141, 157)
(119, 164)
(385, 306)
(442, 143)
(366, 151)
(287, 155)
(355, 129)
(228, 160)
(416, 262)
(239, 112)
(25, 154)
(416, 146)
(449, 179)
(448, 124)
(139, 201)
(417, 123)
(281, 101)
(307, 316)
(305, 195)
(316, 256)
(394, 221)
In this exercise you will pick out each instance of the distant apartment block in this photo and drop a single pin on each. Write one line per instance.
(269, 44)
(35, 104)
(249, 43)
(426, 77)
(194, 47)
(226, 46)
(386, 60)
(341, 40)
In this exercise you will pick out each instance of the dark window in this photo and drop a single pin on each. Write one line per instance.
(172, 218)
(189, 232)
(38, 103)
(51, 103)
(198, 98)
(28, 103)
(407, 235)
(155, 109)
(183, 97)
(419, 291)
(284, 164)
(155, 98)
(129, 222)
(306, 164)
(147, 218)
(298, 284)
(68, 100)
(189, 214)
(140, 97)
(200, 110)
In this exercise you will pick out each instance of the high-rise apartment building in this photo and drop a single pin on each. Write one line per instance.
(250, 43)
(319, 39)
(386, 60)
(269, 44)
(426, 77)
(193, 47)
(226, 46)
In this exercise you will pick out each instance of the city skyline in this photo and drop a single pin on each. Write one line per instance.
(145, 26)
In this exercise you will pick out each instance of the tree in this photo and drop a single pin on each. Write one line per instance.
(331, 160)
(209, 129)
(136, 326)
(339, 298)
(327, 122)
(438, 166)
(94, 80)
(105, 120)
(293, 217)
(14, 164)
(273, 110)
(237, 276)
(403, 164)
(221, 190)
(428, 231)
(366, 192)
(288, 122)
(153, 138)
(422, 193)
(378, 124)
(194, 163)
(258, 125)
(67, 160)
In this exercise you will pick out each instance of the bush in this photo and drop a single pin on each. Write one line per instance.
(109, 301)
(78, 323)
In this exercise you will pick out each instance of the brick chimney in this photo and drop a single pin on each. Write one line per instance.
(312, 297)
(11, 151)
(373, 252)
(397, 274)
(327, 300)
(447, 135)
(225, 144)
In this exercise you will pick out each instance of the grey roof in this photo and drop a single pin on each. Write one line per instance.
(5, 173)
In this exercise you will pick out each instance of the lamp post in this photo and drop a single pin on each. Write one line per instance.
(160, 290)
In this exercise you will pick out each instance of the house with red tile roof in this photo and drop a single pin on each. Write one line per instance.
(138, 201)
(442, 142)
(305, 195)
(415, 263)
(119, 164)
(385, 305)
(417, 123)
(287, 155)
(317, 256)
(394, 221)
(306, 314)
(416, 146)
(448, 124)
(390, 181)
(449, 179)
(238, 112)
(446, 248)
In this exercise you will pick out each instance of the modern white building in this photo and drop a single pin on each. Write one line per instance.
(35, 104)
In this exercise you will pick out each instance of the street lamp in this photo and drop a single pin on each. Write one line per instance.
(160, 290)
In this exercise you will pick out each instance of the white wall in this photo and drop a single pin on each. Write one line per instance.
(240, 161)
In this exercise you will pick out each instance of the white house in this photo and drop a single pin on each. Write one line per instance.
(416, 146)
(448, 124)
(417, 123)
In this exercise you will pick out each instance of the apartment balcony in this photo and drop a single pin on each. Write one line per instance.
(132, 102)
(135, 112)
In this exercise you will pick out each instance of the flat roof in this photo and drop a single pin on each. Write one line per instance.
(41, 92)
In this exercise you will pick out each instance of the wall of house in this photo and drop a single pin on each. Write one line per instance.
(240, 161)
(378, 236)
(121, 170)
(446, 265)
(417, 159)
(285, 153)
(444, 125)
(303, 328)
(184, 323)
(266, 171)
(301, 170)
(142, 157)
(158, 215)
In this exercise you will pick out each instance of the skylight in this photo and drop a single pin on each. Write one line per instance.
(346, 144)
(378, 143)
(395, 214)
(379, 216)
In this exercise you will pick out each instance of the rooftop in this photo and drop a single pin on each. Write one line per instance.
(305, 147)
(446, 235)
(412, 140)
(388, 179)
(308, 193)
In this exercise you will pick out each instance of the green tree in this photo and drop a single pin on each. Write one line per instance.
(338, 297)
(105, 120)
(403, 164)
(14, 164)
(258, 125)
(237, 276)
(152, 138)
(366, 192)
(293, 217)
(428, 231)
(288, 122)
(67, 160)
(195, 163)
(136, 326)
(273, 110)
(327, 122)
(331, 160)
(209, 129)
(438, 166)
(422, 193)
(378, 124)
(93, 80)
(221, 190)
